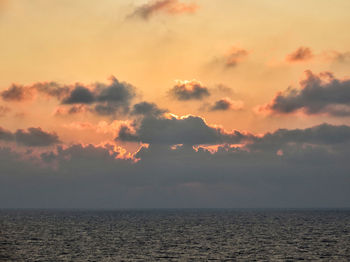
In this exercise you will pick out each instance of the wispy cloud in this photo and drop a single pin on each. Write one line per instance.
(171, 7)
(300, 55)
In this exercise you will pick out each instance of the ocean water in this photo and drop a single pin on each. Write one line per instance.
(175, 235)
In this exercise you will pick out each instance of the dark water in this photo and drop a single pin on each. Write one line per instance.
(175, 235)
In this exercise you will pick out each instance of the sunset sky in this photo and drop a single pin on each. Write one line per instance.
(174, 103)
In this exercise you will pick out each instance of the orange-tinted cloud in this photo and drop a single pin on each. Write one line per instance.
(18, 93)
(235, 56)
(299, 55)
(341, 57)
(189, 90)
(231, 59)
(171, 7)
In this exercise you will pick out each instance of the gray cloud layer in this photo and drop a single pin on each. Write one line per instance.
(310, 169)
(318, 94)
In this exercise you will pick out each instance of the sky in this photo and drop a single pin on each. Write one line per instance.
(174, 104)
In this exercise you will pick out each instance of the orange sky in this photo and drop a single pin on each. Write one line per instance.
(241, 45)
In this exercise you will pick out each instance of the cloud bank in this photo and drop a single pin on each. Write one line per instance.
(286, 168)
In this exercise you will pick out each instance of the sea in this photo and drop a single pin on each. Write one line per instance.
(175, 235)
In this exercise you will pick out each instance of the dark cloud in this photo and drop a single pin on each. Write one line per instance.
(102, 99)
(106, 99)
(189, 130)
(33, 137)
(222, 104)
(318, 94)
(163, 6)
(51, 89)
(301, 54)
(114, 98)
(5, 135)
(323, 134)
(147, 109)
(189, 90)
(36, 137)
(16, 93)
(80, 95)
(309, 169)
(225, 104)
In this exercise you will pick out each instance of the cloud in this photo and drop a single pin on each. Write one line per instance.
(171, 7)
(16, 93)
(147, 109)
(107, 99)
(225, 104)
(235, 56)
(32, 137)
(189, 90)
(231, 59)
(51, 89)
(79, 95)
(318, 94)
(340, 57)
(114, 98)
(36, 137)
(324, 134)
(102, 99)
(172, 130)
(299, 55)
(72, 110)
(6, 135)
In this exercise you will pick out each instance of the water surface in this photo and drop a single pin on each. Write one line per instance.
(174, 235)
